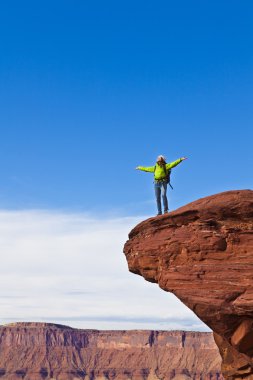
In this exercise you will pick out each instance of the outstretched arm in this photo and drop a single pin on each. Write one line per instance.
(150, 169)
(175, 163)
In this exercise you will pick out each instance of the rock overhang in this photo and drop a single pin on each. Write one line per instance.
(203, 253)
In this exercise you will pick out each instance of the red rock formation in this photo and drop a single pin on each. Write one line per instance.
(37, 351)
(203, 253)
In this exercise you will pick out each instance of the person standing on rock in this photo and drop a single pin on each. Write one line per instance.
(161, 172)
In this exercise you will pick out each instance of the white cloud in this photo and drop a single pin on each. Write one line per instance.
(69, 268)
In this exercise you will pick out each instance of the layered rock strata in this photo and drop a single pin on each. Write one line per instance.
(35, 351)
(203, 253)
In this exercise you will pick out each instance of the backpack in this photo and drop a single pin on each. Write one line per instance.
(168, 173)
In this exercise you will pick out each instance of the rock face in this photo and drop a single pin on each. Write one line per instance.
(203, 253)
(37, 351)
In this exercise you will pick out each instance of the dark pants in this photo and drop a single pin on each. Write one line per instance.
(160, 190)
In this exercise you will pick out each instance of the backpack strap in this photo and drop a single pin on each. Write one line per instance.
(168, 175)
(169, 179)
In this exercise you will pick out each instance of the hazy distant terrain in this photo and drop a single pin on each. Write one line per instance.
(35, 351)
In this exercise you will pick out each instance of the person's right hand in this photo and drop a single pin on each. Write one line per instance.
(137, 168)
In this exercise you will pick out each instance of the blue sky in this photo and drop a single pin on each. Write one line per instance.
(91, 89)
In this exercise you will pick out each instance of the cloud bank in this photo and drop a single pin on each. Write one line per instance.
(69, 268)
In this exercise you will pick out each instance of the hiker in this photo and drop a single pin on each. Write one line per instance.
(161, 172)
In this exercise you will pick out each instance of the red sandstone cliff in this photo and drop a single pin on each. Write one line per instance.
(37, 351)
(203, 253)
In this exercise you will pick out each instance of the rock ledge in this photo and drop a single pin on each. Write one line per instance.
(203, 253)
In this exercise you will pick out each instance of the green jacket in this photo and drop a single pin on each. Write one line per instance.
(158, 170)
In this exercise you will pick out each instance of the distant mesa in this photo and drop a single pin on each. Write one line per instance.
(203, 253)
(39, 351)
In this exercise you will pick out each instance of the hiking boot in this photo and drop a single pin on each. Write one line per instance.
(166, 212)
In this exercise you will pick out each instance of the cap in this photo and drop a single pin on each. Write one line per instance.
(159, 158)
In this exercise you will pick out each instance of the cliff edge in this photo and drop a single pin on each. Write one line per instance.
(203, 253)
